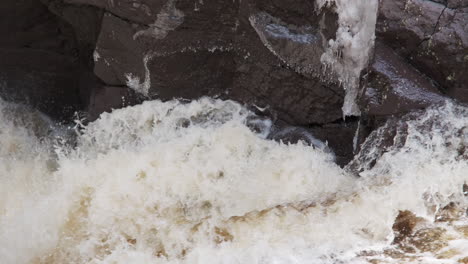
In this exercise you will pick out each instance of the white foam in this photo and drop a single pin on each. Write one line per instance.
(134, 82)
(27, 224)
(190, 183)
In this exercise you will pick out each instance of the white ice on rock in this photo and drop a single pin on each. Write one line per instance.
(349, 53)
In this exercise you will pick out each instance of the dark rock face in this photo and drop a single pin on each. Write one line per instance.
(420, 60)
(333, 137)
(36, 67)
(394, 87)
(42, 79)
(432, 36)
(142, 11)
(44, 59)
(250, 51)
(105, 98)
(86, 24)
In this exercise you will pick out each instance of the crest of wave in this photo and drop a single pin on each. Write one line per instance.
(27, 161)
(191, 183)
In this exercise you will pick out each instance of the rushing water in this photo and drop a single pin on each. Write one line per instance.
(191, 183)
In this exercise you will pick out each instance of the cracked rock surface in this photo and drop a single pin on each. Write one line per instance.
(432, 36)
(265, 53)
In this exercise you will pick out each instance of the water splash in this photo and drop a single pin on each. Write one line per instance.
(191, 183)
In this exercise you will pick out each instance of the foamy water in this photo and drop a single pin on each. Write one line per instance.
(191, 183)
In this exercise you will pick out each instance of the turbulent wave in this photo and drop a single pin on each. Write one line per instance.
(192, 183)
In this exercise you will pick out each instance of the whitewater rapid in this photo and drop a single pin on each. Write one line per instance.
(181, 182)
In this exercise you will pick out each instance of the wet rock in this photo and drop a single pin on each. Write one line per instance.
(340, 138)
(292, 135)
(430, 239)
(449, 213)
(28, 24)
(106, 98)
(376, 143)
(254, 52)
(418, 44)
(410, 234)
(335, 138)
(86, 24)
(395, 87)
(43, 79)
(139, 11)
(44, 59)
(432, 36)
(392, 136)
(117, 56)
(405, 225)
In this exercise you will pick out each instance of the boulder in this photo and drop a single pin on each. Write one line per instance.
(420, 47)
(394, 87)
(106, 98)
(265, 53)
(432, 36)
(38, 65)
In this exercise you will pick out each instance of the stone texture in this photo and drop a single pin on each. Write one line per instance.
(62, 56)
(432, 36)
(86, 24)
(333, 137)
(106, 98)
(420, 48)
(139, 11)
(255, 52)
(39, 63)
(395, 87)
(43, 79)
(421, 126)
(116, 53)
